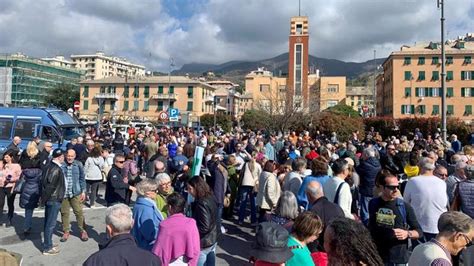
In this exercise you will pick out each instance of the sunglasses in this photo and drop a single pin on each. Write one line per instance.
(120, 161)
(392, 188)
(468, 240)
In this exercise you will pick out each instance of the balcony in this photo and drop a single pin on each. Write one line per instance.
(209, 99)
(165, 96)
(107, 96)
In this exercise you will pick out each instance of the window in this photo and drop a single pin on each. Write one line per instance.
(467, 75)
(467, 92)
(435, 75)
(125, 105)
(86, 105)
(160, 106)
(449, 92)
(146, 106)
(467, 60)
(450, 110)
(146, 92)
(190, 91)
(112, 105)
(135, 105)
(449, 60)
(332, 103)
(264, 87)
(420, 92)
(5, 128)
(408, 109)
(299, 29)
(435, 110)
(85, 93)
(407, 61)
(25, 129)
(422, 109)
(298, 69)
(190, 106)
(333, 88)
(136, 92)
(126, 90)
(421, 75)
(468, 110)
(449, 75)
(407, 75)
(102, 89)
(421, 60)
(171, 89)
(408, 92)
(435, 60)
(435, 92)
(160, 89)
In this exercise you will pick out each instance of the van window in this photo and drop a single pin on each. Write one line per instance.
(5, 128)
(48, 133)
(25, 129)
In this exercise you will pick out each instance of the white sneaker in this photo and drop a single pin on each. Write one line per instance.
(223, 230)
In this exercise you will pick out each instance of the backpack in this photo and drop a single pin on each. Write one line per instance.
(400, 205)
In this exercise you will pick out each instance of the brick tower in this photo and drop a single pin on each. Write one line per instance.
(298, 63)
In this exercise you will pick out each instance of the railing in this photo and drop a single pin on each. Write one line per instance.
(165, 96)
(107, 96)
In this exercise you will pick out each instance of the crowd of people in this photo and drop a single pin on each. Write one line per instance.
(317, 200)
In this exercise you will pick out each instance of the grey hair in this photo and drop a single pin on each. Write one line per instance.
(145, 186)
(161, 178)
(352, 148)
(427, 164)
(453, 222)
(287, 206)
(119, 216)
(315, 191)
(118, 156)
(89, 142)
(369, 152)
(299, 164)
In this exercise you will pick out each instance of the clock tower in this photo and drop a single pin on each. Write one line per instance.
(298, 91)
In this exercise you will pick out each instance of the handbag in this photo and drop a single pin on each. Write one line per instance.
(19, 185)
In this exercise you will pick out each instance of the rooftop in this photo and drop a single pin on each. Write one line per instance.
(359, 90)
(148, 80)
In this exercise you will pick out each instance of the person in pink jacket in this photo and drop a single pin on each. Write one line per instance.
(9, 173)
(178, 237)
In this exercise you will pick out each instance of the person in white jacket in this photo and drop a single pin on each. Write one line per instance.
(251, 173)
(93, 173)
(268, 190)
(337, 190)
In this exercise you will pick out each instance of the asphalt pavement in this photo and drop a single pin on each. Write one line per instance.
(233, 247)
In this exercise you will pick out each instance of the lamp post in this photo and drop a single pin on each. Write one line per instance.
(215, 109)
(443, 74)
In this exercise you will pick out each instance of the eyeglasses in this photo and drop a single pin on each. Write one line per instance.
(392, 188)
(120, 161)
(468, 240)
(166, 184)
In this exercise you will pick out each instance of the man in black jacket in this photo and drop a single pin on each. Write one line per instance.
(116, 188)
(44, 155)
(14, 147)
(53, 188)
(388, 161)
(121, 248)
(325, 209)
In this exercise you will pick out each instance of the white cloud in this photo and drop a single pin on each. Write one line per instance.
(217, 31)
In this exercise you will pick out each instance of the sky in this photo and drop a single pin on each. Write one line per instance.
(150, 32)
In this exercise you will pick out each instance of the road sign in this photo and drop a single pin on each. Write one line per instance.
(163, 116)
(174, 114)
(77, 105)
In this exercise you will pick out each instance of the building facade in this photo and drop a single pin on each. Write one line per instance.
(98, 66)
(27, 82)
(411, 83)
(361, 99)
(145, 97)
(58, 61)
(298, 57)
(326, 92)
(229, 100)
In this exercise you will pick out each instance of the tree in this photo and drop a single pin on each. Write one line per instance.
(343, 109)
(63, 96)
(255, 119)
(223, 120)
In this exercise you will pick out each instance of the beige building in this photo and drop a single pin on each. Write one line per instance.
(326, 92)
(360, 98)
(411, 83)
(98, 66)
(58, 61)
(145, 97)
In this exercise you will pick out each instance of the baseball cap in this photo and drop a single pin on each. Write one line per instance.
(57, 152)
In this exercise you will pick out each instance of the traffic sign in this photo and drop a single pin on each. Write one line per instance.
(163, 116)
(173, 114)
(77, 105)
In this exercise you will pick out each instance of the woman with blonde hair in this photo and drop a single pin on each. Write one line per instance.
(248, 186)
(31, 170)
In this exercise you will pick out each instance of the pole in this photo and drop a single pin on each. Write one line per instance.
(443, 74)
(375, 86)
(215, 111)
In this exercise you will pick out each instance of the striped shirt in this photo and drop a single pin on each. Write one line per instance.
(68, 193)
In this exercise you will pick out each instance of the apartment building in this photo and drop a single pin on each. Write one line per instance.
(229, 100)
(410, 85)
(58, 61)
(326, 92)
(145, 97)
(361, 99)
(269, 93)
(99, 65)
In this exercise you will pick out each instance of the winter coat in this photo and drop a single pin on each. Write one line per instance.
(93, 168)
(268, 191)
(53, 184)
(116, 188)
(30, 193)
(368, 170)
(204, 211)
(147, 219)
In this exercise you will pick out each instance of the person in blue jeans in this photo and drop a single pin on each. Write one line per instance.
(251, 172)
(53, 189)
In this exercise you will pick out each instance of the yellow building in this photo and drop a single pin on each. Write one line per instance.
(411, 83)
(145, 97)
(268, 92)
(98, 66)
(360, 98)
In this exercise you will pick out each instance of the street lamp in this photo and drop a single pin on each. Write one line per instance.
(443, 74)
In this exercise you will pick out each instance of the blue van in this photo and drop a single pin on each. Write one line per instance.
(50, 124)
